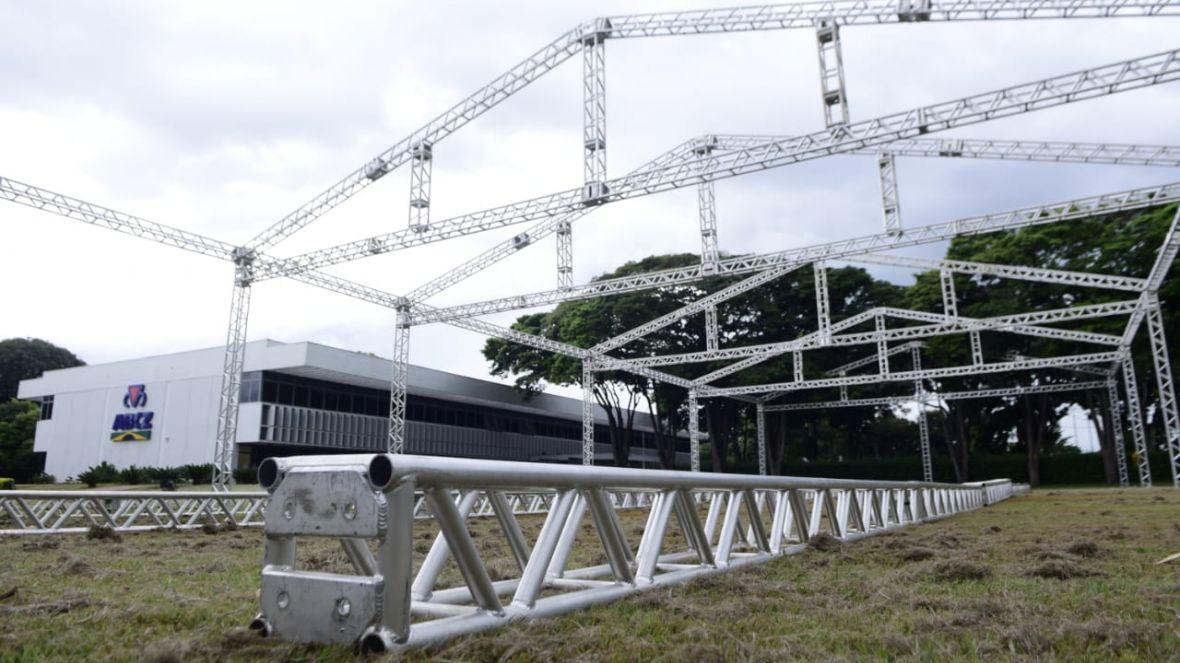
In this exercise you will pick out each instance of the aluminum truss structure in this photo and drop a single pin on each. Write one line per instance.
(70, 512)
(698, 162)
(386, 604)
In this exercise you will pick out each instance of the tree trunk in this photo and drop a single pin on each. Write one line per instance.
(776, 442)
(1031, 445)
(718, 443)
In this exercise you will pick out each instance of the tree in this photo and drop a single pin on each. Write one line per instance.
(25, 358)
(18, 426)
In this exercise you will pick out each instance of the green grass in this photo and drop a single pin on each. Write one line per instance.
(988, 584)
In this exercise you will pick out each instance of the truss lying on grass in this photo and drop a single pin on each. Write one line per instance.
(387, 604)
(126, 511)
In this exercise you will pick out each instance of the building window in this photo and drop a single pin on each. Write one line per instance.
(46, 408)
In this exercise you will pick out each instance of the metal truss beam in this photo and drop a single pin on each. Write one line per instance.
(694, 430)
(874, 358)
(1116, 429)
(421, 165)
(225, 446)
(80, 210)
(594, 111)
(890, 197)
(455, 117)
(1122, 201)
(1135, 419)
(906, 376)
(760, 415)
(1110, 154)
(565, 256)
(810, 341)
(944, 396)
(872, 12)
(390, 607)
(1035, 274)
(1166, 385)
(696, 307)
(588, 403)
(533, 234)
(1089, 83)
(398, 383)
(831, 73)
(823, 307)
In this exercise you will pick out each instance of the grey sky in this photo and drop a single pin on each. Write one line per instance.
(221, 117)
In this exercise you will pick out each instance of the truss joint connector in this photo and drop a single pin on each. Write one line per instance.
(376, 169)
(913, 11)
(597, 32)
(594, 193)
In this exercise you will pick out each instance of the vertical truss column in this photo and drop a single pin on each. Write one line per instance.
(890, 200)
(225, 451)
(587, 412)
(565, 256)
(976, 348)
(1167, 388)
(882, 347)
(1135, 418)
(1116, 428)
(594, 109)
(761, 414)
(923, 426)
(694, 431)
(712, 329)
(398, 379)
(421, 158)
(707, 209)
(822, 305)
(797, 364)
(924, 439)
(949, 306)
(831, 73)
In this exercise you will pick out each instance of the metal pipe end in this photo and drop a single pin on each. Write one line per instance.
(262, 625)
(268, 474)
(376, 641)
(380, 471)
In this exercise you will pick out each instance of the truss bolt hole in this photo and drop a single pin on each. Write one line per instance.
(283, 600)
(350, 511)
(343, 607)
(289, 510)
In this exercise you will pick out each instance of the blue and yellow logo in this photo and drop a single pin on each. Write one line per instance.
(133, 426)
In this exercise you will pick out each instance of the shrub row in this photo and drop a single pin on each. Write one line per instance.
(104, 472)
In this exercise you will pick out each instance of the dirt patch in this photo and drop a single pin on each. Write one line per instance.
(954, 570)
(917, 554)
(77, 567)
(167, 651)
(825, 543)
(103, 533)
(1062, 569)
(994, 529)
(40, 544)
(66, 604)
(1084, 548)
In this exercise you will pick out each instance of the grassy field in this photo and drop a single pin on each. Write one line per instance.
(1059, 574)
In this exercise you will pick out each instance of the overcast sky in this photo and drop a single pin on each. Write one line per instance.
(221, 117)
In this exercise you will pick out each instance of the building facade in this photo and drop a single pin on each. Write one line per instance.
(300, 398)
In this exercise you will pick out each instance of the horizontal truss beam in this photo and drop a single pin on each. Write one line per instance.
(945, 396)
(1080, 208)
(1090, 83)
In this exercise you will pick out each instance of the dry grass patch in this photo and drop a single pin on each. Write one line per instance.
(962, 588)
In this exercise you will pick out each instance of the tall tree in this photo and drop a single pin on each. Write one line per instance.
(25, 358)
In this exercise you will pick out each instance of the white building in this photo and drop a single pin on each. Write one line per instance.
(298, 398)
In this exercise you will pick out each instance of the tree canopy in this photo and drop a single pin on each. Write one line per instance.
(24, 358)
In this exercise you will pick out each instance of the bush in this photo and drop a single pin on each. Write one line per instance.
(134, 475)
(7, 483)
(198, 474)
(42, 477)
(104, 472)
(172, 474)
